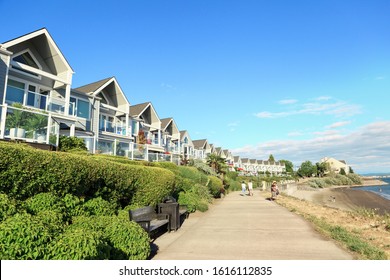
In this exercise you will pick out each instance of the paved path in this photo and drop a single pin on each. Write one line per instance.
(246, 228)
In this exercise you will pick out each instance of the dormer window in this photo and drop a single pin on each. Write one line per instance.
(26, 58)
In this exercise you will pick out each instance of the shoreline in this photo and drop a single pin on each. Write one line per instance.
(347, 197)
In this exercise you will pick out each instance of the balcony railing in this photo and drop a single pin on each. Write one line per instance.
(42, 102)
(26, 125)
(110, 127)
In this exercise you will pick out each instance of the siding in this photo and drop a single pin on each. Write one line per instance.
(3, 73)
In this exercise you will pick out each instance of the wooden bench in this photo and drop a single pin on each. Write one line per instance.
(149, 220)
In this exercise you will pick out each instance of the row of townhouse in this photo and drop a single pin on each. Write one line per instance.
(38, 104)
(257, 167)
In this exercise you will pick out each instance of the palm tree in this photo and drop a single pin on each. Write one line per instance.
(217, 163)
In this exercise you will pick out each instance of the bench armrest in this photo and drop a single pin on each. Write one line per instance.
(163, 216)
(145, 225)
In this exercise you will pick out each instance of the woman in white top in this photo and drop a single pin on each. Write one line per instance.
(250, 188)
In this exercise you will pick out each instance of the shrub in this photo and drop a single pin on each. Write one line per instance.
(127, 239)
(71, 143)
(7, 207)
(196, 198)
(25, 171)
(99, 207)
(43, 202)
(73, 205)
(356, 179)
(193, 174)
(215, 186)
(23, 237)
(79, 244)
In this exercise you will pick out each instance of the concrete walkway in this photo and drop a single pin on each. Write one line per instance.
(246, 228)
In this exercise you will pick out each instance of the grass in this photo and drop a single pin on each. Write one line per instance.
(355, 231)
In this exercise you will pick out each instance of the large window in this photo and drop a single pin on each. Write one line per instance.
(82, 107)
(15, 92)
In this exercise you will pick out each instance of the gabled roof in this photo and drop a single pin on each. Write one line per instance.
(165, 122)
(236, 159)
(115, 93)
(184, 133)
(54, 55)
(253, 161)
(93, 87)
(200, 144)
(137, 110)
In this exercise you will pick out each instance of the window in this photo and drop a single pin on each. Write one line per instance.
(82, 108)
(26, 58)
(15, 92)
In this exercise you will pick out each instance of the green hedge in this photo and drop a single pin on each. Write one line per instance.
(25, 171)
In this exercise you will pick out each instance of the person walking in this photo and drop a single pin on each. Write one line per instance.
(274, 190)
(243, 187)
(250, 188)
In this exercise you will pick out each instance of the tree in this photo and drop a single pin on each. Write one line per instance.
(288, 164)
(271, 158)
(307, 169)
(217, 163)
(322, 168)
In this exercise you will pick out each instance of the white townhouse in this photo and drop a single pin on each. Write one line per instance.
(110, 118)
(202, 149)
(187, 146)
(171, 140)
(35, 91)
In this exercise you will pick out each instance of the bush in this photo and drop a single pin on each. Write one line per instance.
(196, 198)
(23, 237)
(25, 171)
(71, 143)
(7, 207)
(127, 239)
(215, 186)
(43, 202)
(99, 207)
(79, 244)
(193, 174)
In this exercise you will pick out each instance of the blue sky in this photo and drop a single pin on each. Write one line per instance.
(299, 79)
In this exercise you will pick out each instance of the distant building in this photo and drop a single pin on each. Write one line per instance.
(336, 165)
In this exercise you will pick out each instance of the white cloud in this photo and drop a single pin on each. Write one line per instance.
(338, 124)
(367, 149)
(288, 101)
(294, 134)
(323, 98)
(167, 86)
(320, 107)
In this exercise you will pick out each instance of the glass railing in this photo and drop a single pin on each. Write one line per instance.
(36, 100)
(57, 105)
(107, 126)
(26, 125)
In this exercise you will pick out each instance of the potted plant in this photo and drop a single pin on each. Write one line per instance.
(16, 121)
(37, 126)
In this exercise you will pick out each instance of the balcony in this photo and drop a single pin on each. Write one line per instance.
(111, 127)
(27, 125)
(38, 101)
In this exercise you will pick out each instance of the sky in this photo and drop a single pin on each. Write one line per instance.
(300, 80)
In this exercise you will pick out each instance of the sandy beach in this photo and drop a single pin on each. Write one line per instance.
(346, 197)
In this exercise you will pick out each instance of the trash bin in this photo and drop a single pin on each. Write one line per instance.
(172, 209)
